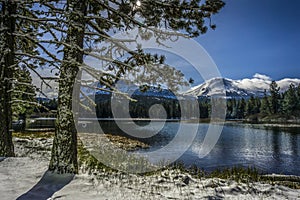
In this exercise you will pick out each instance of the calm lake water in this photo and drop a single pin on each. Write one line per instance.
(271, 150)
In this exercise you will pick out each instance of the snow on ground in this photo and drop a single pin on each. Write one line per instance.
(27, 178)
(18, 175)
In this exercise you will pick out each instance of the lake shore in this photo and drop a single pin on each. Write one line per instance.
(265, 124)
(27, 176)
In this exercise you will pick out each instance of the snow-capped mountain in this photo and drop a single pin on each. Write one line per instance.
(244, 88)
(220, 87)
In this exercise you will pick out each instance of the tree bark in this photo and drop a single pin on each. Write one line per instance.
(7, 61)
(64, 150)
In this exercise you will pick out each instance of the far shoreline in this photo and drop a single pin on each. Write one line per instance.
(269, 123)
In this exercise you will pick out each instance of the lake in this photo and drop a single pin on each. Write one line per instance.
(269, 149)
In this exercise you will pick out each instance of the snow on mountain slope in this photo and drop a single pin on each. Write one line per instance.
(243, 88)
(218, 86)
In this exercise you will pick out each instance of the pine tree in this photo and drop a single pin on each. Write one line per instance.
(265, 106)
(257, 105)
(253, 106)
(298, 99)
(229, 108)
(18, 45)
(290, 101)
(204, 108)
(64, 150)
(21, 47)
(90, 22)
(274, 98)
(241, 109)
(234, 108)
(7, 61)
(250, 106)
(23, 95)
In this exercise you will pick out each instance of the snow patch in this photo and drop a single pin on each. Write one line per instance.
(27, 178)
(245, 88)
(261, 76)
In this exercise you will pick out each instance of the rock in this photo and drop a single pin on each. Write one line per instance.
(186, 180)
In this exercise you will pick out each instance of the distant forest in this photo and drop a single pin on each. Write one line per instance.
(284, 105)
(274, 104)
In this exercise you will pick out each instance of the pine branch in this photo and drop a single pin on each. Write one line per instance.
(92, 71)
(45, 20)
(101, 18)
(37, 73)
(91, 101)
(109, 38)
(42, 47)
(22, 92)
(35, 57)
(18, 101)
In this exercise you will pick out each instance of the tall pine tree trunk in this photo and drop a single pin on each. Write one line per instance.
(64, 151)
(7, 61)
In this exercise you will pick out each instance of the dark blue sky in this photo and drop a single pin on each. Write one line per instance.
(253, 36)
(261, 36)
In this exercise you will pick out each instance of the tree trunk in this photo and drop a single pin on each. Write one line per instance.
(64, 151)
(7, 61)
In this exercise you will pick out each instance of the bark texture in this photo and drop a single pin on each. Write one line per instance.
(7, 61)
(64, 151)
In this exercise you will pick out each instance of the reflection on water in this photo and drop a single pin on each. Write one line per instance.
(271, 150)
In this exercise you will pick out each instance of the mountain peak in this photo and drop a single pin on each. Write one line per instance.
(244, 88)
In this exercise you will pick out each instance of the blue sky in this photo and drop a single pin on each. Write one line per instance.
(253, 36)
(260, 36)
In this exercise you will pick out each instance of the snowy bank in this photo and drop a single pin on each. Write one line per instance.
(27, 178)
